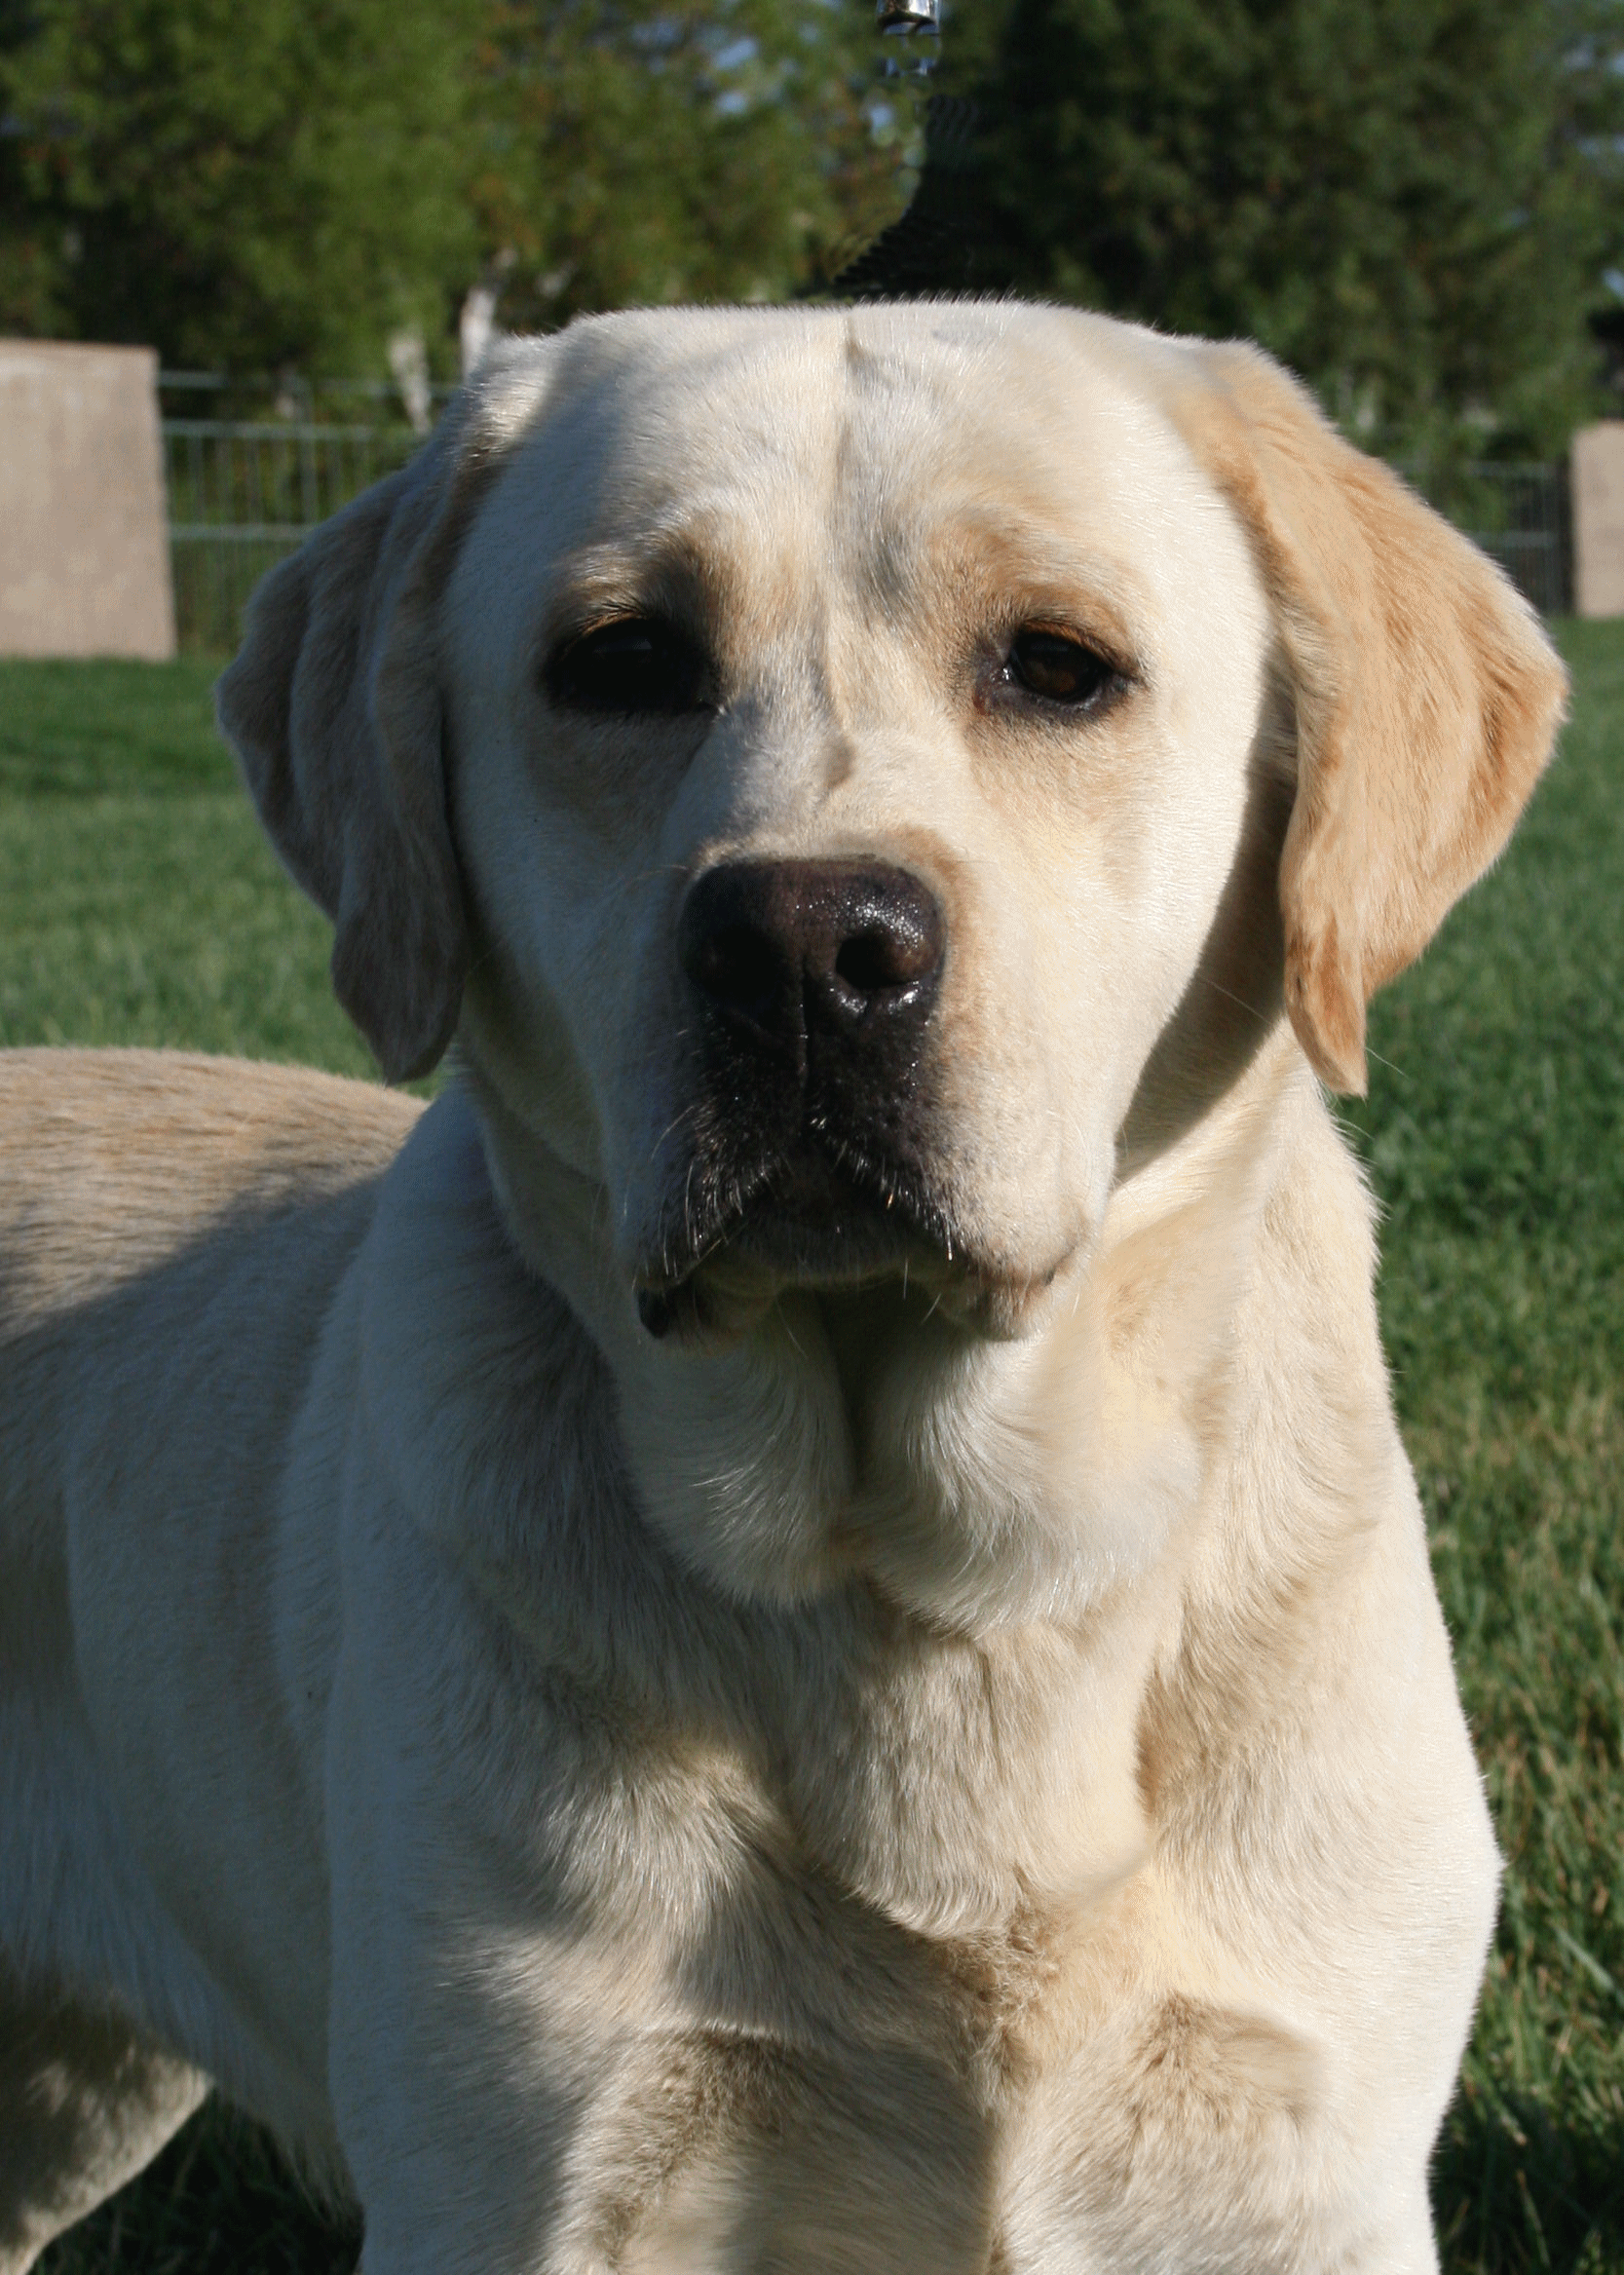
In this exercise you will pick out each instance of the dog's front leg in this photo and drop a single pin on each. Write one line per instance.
(519, 1867)
(586, 2012)
(464, 2019)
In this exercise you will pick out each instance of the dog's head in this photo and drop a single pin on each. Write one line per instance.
(858, 781)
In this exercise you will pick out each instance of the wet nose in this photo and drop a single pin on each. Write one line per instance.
(786, 950)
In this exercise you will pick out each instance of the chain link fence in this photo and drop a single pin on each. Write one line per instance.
(245, 491)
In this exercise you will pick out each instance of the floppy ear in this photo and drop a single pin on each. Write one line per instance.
(1426, 694)
(333, 709)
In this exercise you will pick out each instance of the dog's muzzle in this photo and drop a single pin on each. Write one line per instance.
(812, 985)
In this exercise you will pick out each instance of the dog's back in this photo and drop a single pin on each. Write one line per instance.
(141, 1192)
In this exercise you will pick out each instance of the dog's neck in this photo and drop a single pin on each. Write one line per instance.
(974, 1551)
(977, 1482)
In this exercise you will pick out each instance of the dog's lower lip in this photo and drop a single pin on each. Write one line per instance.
(813, 1215)
(744, 1259)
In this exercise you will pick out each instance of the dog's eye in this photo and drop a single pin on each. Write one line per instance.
(636, 665)
(1058, 670)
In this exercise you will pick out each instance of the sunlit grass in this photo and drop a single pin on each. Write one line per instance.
(1496, 1142)
(140, 901)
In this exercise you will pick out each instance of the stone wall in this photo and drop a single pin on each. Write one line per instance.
(84, 541)
(1598, 476)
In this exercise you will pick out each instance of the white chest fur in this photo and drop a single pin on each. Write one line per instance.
(913, 1931)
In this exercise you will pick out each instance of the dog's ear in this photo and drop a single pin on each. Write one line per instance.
(334, 708)
(1426, 694)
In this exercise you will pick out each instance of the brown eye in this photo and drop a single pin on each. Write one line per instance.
(637, 665)
(1057, 669)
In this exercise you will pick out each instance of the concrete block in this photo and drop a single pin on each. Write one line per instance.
(1598, 476)
(84, 535)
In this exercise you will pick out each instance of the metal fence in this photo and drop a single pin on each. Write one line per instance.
(1519, 514)
(243, 492)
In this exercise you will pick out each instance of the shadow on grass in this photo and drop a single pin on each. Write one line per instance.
(1514, 2192)
(219, 2200)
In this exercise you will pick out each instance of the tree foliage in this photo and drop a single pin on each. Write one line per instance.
(262, 184)
(293, 181)
(1411, 202)
(663, 150)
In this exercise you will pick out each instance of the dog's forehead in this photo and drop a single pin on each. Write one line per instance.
(831, 433)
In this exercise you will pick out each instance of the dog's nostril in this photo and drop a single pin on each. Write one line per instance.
(740, 968)
(883, 956)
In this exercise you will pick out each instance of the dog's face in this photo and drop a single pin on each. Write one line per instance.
(852, 725)
(864, 781)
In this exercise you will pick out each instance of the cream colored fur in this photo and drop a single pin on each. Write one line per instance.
(954, 1776)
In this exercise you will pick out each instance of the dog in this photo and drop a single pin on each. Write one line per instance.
(791, 1632)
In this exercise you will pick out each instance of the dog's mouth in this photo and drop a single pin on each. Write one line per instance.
(824, 1212)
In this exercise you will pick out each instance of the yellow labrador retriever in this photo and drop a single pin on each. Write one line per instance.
(791, 1633)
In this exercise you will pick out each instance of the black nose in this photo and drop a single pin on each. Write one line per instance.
(787, 949)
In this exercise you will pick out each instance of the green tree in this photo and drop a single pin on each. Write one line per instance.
(1411, 202)
(265, 184)
(32, 244)
(662, 150)
(295, 182)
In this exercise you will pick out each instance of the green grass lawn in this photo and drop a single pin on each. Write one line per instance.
(138, 900)
(138, 904)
